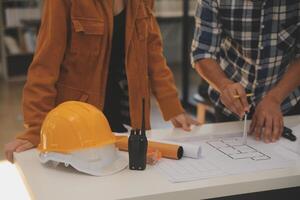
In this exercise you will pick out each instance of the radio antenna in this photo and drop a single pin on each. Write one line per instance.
(143, 130)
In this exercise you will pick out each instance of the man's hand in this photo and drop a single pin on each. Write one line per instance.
(236, 105)
(16, 146)
(184, 121)
(267, 122)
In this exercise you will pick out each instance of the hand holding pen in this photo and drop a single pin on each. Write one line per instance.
(261, 125)
(234, 97)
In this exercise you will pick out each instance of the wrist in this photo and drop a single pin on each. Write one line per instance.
(276, 98)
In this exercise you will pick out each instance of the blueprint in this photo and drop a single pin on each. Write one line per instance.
(235, 149)
(226, 155)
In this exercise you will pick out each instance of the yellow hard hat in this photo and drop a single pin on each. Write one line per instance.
(74, 126)
(78, 134)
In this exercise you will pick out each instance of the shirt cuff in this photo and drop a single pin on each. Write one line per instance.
(195, 58)
(170, 107)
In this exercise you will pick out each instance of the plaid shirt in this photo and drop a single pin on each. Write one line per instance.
(254, 41)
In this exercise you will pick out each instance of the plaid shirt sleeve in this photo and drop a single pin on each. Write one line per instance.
(298, 39)
(298, 32)
(206, 43)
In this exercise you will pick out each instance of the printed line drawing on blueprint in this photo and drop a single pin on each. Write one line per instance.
(223, 155)
(235, 149)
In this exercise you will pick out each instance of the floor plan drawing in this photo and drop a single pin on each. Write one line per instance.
(223, 155)
(235, 149)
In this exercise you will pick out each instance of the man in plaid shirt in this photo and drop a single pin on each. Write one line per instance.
(250, 46)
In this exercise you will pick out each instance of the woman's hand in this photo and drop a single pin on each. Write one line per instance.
(16, 146)
(184, 121)
(267, 122)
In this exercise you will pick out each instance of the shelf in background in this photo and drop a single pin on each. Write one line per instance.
(20, 20)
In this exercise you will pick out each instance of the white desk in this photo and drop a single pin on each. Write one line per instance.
(48, 184)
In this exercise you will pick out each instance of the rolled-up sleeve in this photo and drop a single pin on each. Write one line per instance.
(207, 36)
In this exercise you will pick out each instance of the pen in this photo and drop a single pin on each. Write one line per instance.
(247, 95)
(245, 129)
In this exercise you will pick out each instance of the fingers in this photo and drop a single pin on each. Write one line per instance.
(243, 98)
(11, 147)
(192, 121)
(9, 150)
(188, 121)
(230, 102)
(185, 125)
(258, 128)
(237, 105)
(281, 128)
(267, 122)
(175, 123)
(24, 147)
(9, 156)
(267, 128)
(267, 133)
(14, 144)
(273, 130)
(182, 121)
(252, 125)
(276, 129)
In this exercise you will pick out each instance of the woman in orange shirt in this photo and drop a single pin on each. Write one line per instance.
(106, 53)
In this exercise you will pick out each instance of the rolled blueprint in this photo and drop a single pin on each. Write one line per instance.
(189, 150)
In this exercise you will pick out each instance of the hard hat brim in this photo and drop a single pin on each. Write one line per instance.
(110, 161)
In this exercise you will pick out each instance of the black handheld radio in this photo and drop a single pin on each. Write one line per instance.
(138, 145)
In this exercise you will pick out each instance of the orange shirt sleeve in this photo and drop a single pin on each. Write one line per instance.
(39, 93)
